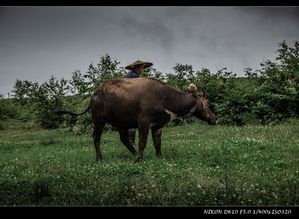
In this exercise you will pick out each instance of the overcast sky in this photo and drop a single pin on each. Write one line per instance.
(37, 42)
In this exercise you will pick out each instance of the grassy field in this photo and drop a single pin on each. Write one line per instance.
(251, 165)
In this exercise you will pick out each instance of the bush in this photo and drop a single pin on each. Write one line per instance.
(7, 109)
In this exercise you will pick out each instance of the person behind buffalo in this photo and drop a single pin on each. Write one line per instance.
(136, 69)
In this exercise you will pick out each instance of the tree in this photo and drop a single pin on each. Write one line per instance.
(152, 73)
(184, 75)
(21, 90)
(78, 84)
(105, 69)
(48, 97)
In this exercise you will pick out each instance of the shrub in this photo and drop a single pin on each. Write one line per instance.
(7, 109)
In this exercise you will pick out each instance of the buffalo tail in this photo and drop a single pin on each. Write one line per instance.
(60, 112)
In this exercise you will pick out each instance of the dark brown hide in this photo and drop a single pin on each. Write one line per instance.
(144, 104)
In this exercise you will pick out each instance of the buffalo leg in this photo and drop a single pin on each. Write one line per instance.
(132, 133)
(156, 135)
(125, 139)
(143, 130)
(97, 132)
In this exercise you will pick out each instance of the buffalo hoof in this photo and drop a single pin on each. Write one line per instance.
(138, 159)
(159, 155)
(99, 159)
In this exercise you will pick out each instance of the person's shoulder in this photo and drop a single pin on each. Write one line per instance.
(132, 75)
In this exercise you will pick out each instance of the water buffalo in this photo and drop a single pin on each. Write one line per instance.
(144, 104)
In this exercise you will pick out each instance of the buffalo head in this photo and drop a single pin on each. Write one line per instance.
(201, 110)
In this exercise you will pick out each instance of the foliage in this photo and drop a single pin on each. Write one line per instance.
(85, 84)
(7, 109)
(49, 97)
(276, 88)
(152, 73)
(183, 75)
(45, 98)
(22, 90)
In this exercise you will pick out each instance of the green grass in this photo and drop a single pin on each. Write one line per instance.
(251, 165)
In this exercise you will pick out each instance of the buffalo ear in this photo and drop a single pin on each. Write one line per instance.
(193, 88)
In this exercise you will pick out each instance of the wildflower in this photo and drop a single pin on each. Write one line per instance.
(275, 196)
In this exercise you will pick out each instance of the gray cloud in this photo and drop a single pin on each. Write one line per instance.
(152, 31)
(290, 13)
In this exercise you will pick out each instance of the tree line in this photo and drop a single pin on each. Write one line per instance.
(264, 96)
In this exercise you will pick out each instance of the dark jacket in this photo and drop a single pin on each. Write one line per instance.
(132, 75)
